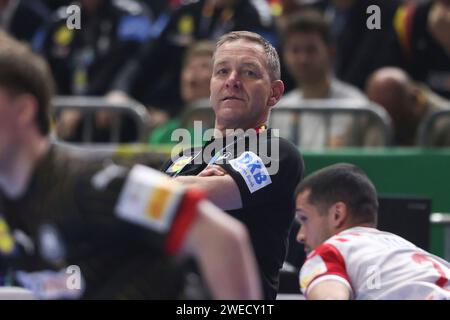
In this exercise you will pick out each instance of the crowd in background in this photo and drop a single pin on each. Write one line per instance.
(158, 53)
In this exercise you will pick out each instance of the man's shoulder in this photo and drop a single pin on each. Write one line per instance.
(285, 145)
(435, 101)
(359, 241)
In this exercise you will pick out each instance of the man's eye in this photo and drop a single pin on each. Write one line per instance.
(250, 73)
(221, 71)
(300, 219)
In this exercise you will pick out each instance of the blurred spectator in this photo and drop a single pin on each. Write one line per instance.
(282, 10)
(158, 71)
(408, 104)
(21, 18)
(161, 11)
(307, 56)
(422, 43)
(357, 47)
(195, 79)
(87, 61)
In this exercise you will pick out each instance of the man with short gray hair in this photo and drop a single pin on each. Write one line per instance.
(245, 168)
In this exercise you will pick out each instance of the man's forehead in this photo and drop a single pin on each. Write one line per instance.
(302, 200)
(250, 61)
(303, 196)
(242, 47)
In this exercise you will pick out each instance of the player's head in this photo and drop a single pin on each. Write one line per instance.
(25, 80)
(333, 199)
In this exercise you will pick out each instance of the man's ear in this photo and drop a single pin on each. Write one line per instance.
(27, 106)
(276, 92)
(338, 214)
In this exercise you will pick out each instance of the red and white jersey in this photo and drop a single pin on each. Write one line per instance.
(377, 265)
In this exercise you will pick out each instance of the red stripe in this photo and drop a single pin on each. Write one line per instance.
(334, 261)
(353, 234)
(410, 12)
(185, 215)
(420, 258)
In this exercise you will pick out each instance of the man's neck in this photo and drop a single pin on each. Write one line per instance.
(318, 90)
(223, 130)
(353, 225)
(15, 176)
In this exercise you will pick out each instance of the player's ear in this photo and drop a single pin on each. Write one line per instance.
(276, 92)
(27, 106)
(339, 214)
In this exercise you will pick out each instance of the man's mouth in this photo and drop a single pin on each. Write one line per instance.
(231, 98)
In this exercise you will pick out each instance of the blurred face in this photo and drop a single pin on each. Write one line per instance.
(306, 57)
(8, 128)
(195, 78)
(315, 227)
(242, 92)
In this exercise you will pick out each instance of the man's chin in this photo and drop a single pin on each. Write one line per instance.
(229, 114)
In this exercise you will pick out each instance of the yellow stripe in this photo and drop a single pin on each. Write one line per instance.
(158, 202)
(400, 25)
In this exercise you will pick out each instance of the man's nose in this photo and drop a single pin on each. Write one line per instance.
(301, 235)
(233, 81)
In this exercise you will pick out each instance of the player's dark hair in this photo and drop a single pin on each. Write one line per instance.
(345, 183)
